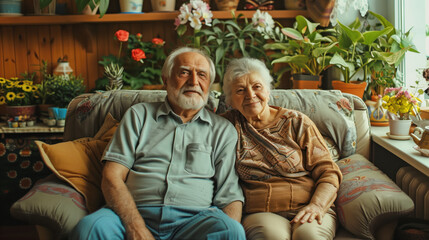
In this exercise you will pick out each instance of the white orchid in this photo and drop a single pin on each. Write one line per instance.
(196, 12)
(263, 21)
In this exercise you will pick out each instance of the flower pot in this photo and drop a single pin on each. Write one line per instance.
(354, 87)
(131, 6)
(163, 5)
(226, 5)
(24, 112)
(303, 81)
(48, 10)
(10, 8)
(399, 127)
(294, 4)
(153, 87)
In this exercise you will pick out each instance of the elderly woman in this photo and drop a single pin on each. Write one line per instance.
(288, 177)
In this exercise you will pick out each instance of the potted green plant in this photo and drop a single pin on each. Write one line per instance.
(305, 49)
(91, 5)
(362, 50)
(229, 39)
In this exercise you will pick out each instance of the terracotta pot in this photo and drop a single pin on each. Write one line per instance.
(163, 5)
(21, 111)
(153, 87)
(354, 87)
(302, 81)
(226, 5)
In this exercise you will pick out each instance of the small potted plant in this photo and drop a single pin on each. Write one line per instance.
(401, 105)
(18, 97)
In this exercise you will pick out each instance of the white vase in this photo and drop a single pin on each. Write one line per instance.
(399, 127)
(131, 6)
(163, 5)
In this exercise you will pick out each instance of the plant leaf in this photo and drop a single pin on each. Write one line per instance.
(370, 36)
(292, 33)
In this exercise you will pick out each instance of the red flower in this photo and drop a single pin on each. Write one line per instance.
(138, 54)
(122, 35)
(139, 36)
(158, 41)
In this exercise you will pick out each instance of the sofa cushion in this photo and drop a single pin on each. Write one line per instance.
(52, 203)
(78, 162)
(367, 198)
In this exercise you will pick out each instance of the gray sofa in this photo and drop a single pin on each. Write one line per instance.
(368, 203)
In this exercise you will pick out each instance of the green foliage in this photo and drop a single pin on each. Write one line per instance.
(306, 49)
(375, 52)
(229, 39)
(80, 4)
(64, 89)
(135, 73)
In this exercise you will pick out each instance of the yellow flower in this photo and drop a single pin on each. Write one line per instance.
(20, 95)
(10, 96)
(26, 88)
(34, 88)
(2, 80)
(2, 100)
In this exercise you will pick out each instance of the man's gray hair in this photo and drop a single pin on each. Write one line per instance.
(240, 67)
(167, 68)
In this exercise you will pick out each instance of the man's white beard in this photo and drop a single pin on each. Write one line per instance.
(194, 102)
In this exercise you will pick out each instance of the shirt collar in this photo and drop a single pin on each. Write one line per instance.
(165, 109)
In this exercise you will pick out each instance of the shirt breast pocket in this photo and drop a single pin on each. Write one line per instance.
(198, 159)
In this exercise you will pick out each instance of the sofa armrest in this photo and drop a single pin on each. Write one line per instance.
(367, 198)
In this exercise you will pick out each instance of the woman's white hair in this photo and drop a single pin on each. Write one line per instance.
(167, 68)
(241, 67)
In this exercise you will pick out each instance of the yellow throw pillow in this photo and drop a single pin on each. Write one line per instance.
(78, 162)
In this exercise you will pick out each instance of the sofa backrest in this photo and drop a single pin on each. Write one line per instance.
(342, 117)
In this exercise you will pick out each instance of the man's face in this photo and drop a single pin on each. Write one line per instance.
(190, 81)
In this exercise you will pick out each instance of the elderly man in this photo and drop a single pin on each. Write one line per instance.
(169, 170)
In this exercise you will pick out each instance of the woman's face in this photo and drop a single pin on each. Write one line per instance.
(249, 95)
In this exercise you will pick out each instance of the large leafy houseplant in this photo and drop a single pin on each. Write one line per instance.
(64, 90)
(305, 49)
(366, 50)
(229, 39)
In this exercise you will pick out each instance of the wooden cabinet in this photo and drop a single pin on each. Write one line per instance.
(27, 40)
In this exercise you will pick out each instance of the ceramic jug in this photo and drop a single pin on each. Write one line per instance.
(423, 140)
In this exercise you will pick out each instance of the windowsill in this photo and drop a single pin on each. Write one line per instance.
(401, 148)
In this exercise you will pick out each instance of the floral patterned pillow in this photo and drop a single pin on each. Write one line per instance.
(330, 110)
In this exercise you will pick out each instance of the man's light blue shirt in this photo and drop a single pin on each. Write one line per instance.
(176, 163)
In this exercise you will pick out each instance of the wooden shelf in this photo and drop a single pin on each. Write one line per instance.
(118, 17)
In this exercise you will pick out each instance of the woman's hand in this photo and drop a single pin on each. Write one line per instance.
(309, 213)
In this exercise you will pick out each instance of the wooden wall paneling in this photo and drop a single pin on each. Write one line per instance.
(170, 36)
(32, 52)
(1, 56)
(68, 39)
(91, 58)
(8, 51)
(20, 40)
(82, 35)
(56, 44)
(45, 49)
(103, 47)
